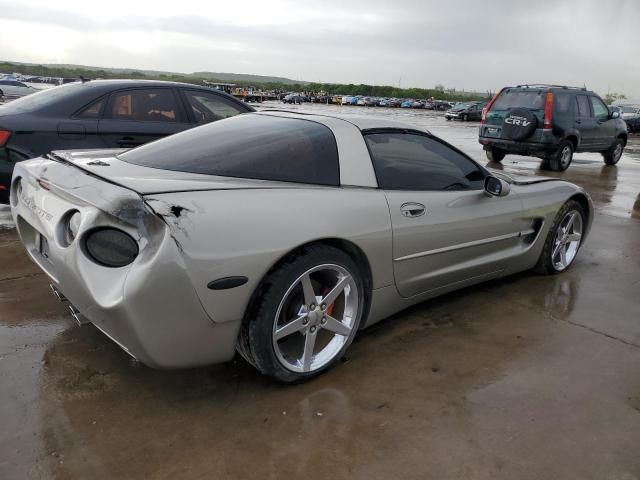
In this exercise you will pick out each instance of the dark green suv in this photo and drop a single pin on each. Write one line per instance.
(551, 122)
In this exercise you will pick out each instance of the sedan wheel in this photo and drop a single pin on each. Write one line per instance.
(304, 315)
(563, 240)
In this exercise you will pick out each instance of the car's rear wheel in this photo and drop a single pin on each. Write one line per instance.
(495, 155)
(305, 315)
(613, 155)
(562, 158)
(563, 240)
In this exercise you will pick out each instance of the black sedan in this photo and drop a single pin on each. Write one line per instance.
(633, 124)
(104, 114)
(465, 111)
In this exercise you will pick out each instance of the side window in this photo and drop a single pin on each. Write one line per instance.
(208, 107)
(94, 110)
(144, 105)
(20, 84)
(600, 110)
(584, 109)
(563, 103)
(407, 161)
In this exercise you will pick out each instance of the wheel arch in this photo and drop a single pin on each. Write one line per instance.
(573, 138)
(347, 246)
(623, 136)
(584, 202)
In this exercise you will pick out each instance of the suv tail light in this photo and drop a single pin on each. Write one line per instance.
(4, 137)
(548, 112)
(486, 109)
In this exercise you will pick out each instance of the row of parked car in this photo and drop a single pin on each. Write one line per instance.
(364, 101)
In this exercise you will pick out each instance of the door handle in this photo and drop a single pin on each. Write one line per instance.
(411, 209)
(578, 121)
(127, 141)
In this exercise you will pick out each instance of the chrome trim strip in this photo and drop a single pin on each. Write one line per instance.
(465, 245)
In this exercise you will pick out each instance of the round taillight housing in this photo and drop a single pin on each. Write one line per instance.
(110, 247)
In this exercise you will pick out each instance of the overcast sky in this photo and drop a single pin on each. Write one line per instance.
(470, 44)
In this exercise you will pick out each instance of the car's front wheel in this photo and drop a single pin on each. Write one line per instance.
(563, 240)
(305, 315)
(613, 155)
(562, 158)
(495, 155)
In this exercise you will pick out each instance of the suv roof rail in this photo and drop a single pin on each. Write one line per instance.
(533, 85)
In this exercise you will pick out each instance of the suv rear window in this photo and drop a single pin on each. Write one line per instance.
(511, 98)
(248, 146)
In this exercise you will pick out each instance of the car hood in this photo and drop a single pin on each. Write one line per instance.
(147, 180)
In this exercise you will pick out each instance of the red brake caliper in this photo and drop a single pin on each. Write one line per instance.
(330, 307)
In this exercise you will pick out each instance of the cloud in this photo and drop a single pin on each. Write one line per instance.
(475, 44)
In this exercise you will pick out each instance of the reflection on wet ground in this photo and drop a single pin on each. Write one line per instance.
(528, 377)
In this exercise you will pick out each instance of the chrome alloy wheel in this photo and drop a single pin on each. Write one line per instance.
(565, 156)
(567, 240)
(315, 318)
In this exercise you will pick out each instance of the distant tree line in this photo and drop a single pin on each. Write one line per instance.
(439, 91)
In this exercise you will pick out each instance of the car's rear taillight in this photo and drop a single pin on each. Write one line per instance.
(548, 112)
(4, 137)
(486, 109)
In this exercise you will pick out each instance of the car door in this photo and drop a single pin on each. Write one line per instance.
(476, 112)
(204, 107)
(446, 230)
(605, 130)
(8, 88)
(137, 116)
(585, 123)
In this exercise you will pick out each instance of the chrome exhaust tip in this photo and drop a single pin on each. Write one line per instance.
(77, 316)
(57, 293)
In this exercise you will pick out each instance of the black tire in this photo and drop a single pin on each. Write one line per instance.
(495, 155)
(448, 119)
(465, 117)
(545, 265)
(560, 160)
(256, 337)
(614, 154)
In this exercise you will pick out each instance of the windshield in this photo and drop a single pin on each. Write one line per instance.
(43, 98)
(530, 99)
(462, 106)
(628, 109)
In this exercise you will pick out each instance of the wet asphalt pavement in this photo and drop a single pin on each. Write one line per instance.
(528, 377)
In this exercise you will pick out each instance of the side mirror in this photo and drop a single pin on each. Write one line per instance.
(495, 187)
(615, 114)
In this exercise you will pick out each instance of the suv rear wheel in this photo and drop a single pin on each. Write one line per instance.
(495, 155)
(612, 156)
(561, 159)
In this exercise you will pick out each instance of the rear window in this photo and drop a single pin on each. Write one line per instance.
(248, 146)
(530, 99)
(44, 98)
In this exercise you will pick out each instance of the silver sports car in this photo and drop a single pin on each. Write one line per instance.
(279, 235)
